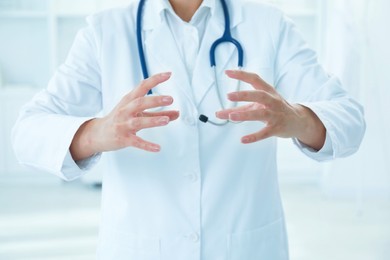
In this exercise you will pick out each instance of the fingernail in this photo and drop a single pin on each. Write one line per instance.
(155, 148)
(221, 115)
(246, 140)
(218, 114)
(167, 99)
(163, 121)
(230, 72)
(165, 74)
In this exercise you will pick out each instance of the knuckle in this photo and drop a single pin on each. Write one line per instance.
(251, 94)
(149, 82)
(277, 128)
(240, 72)
(139, 114)
(254, 106)
(254, 77)
(117, 128)
(260, 94)
(253, 138)
(265, 112)
(135, 123)
(142, 145)
(242, 95)
(266, 131)
(242, 116)
(126, 98)
(135, 142)
(144, 83)
(256, 137)
(121, 113)
(138, 102)
(260, 113)
(129, 96)
(270, 130)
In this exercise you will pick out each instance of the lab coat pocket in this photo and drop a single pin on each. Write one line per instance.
(119, 245)
(267, 242)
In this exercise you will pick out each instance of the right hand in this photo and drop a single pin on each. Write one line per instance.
(119, 128)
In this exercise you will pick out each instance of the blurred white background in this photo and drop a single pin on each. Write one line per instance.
(336, 210)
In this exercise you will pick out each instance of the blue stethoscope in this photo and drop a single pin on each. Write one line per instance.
(226, 38)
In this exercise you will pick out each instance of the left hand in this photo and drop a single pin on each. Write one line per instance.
(267, 105)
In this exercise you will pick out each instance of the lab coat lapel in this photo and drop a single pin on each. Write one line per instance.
(160, 48)
(203, 78)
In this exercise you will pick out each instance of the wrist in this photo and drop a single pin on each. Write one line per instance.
(84, 143)
(311, 131)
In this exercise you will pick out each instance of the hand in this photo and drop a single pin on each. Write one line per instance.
(119, 128)
(281, 118)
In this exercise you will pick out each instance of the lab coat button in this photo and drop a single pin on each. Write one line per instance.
(194, 237)
(192, 177)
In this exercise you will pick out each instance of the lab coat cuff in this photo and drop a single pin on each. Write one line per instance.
(327, 152)
(89, 163)
(83, 165)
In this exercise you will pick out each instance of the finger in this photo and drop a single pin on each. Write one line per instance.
(140, 143)
(147, 85)
(259, 96)
(146, 102)
(150, 83)
(224, 114)
(138, 123)
(254, 115)
(173, 115)
(251, 78)
(258, 136)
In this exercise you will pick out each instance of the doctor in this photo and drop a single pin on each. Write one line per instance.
(178, 188)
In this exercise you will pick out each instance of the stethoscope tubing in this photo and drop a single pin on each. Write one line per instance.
(141, 52)
(226, 38)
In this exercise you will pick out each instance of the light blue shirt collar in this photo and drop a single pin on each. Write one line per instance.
(165, 6)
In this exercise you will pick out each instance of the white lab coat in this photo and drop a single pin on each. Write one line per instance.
(205, 195)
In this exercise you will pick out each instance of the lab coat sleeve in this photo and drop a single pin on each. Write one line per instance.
(300, 79)
(47, 124)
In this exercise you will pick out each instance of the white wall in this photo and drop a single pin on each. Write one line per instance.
(358, 52)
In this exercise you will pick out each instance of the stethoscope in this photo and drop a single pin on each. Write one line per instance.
(226, 38)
